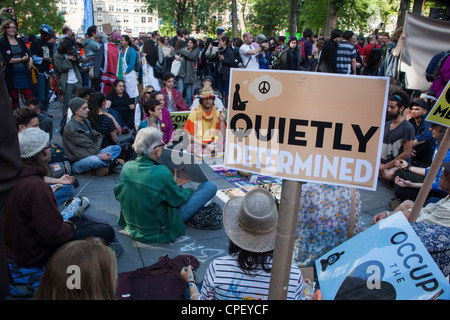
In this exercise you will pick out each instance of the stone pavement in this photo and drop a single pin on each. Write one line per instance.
(205, 245)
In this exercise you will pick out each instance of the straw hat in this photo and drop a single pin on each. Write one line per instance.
(250, 221)
(206, 92)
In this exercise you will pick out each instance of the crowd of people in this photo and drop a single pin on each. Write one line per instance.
(117, 95)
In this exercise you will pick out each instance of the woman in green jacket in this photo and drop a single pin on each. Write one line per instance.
(153, 205)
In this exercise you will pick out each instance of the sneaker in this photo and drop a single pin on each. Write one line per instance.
(84, 204)
(116, 167)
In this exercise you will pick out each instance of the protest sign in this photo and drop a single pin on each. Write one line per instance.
(179, 119)
(425, 38)
(306, 126)
(440, 113)
(387, 262)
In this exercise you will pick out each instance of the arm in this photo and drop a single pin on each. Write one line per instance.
(399, 46)
(407, 147)
(188, 276)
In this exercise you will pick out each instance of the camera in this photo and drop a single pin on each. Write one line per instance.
(8, 10)
(74, 51)
(215, 43)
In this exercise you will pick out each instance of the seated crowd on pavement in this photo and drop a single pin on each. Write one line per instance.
(116, 120)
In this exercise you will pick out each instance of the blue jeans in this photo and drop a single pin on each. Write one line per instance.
(40, 90)
(181, 86)
(205, 192)
(94, 162)
(64, 193)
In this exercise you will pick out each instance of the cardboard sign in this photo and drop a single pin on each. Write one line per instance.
(387, 262)
(179, 119)
(306, 126)
(440, 113)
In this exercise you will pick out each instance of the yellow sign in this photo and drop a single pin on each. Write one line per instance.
(306, 126)
(440, 113)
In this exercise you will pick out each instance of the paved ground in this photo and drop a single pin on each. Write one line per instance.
(205, 245)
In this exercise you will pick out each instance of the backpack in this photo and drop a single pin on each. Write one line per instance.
(375, 56)
(137, 64)
(59, 163)
(237, 57)
(27, 278)
(435, 64)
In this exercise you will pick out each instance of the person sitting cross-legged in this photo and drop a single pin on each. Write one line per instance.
(82, 144)
(153, 204)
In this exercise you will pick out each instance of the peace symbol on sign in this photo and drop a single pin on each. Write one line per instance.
(264, 87)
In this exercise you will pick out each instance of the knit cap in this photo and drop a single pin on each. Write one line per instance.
(32, 141)
(76, 103)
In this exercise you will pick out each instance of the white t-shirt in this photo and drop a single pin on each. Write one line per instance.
(253, 63)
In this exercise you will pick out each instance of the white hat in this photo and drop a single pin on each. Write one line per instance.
(250, 221)
(32, 141)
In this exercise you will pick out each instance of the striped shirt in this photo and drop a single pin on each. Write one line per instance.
(225, 280)
(345, 53)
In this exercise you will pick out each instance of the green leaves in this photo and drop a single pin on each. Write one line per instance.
(30, 14)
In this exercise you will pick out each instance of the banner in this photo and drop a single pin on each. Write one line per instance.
(425, 38)
(88, 15)
(385, 262)
(440, 113)
(179, 119)
(306, 126)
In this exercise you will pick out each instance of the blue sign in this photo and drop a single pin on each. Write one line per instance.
(88, 14)
(387, 261)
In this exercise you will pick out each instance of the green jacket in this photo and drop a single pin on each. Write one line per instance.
(149, 197)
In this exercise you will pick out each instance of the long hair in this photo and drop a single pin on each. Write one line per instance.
(97, 266)
(95, 104)
(43, 169)
(151, 50)
(113, 92)
(250, 261)
(128, 40)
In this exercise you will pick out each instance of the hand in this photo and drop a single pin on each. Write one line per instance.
(187, 274)
(132, 106)
(179, 181)
(401, 164)
(402, 182)
(222, 116)
(378, 217)
(66, 179)
(104, 156)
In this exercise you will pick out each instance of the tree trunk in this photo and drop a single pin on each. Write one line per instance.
(418, 6)
(331, 19)
(404, 8)
(242, 17)
(234, 19)
(293, 17)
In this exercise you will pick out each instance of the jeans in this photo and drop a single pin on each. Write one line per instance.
(94, 162)
(64, 193)
(86, 229)
(205, 192)
(68, 94)
(181, 86)
(40, 90)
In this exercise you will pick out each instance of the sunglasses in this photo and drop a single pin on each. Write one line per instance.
(147, 37)
(159, 145)
(149, 92)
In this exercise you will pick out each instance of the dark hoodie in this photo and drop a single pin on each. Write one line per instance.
(34, 227)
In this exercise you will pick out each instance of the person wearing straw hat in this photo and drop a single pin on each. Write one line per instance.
(206, 125)
(34, 227)
(251, 224)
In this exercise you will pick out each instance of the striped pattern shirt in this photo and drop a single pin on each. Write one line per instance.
(345, 53)
(225, 280)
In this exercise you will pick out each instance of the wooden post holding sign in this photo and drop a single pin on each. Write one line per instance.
(440, 114)
(304, 127)
(284, 243)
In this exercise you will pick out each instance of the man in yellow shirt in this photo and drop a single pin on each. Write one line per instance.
(206, 125)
